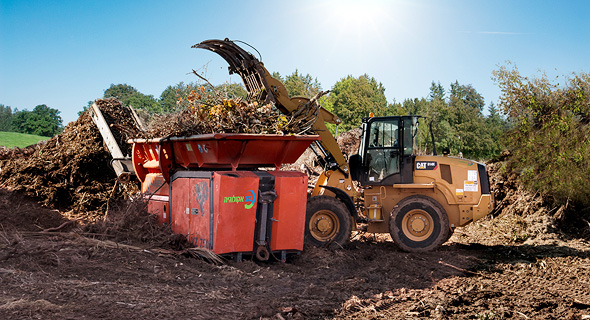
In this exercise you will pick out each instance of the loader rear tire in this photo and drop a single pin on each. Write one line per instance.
(327, 220)
(418, 224)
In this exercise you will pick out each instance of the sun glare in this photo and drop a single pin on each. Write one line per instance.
(360, 21)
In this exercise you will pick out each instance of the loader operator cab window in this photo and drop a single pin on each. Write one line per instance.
(383, 154)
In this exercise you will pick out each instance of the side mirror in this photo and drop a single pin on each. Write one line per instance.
(355, 165)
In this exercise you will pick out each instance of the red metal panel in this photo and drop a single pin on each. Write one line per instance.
(289, 210)
(156, 191)
(200, 213)
(191, 214)
(160, 209)
(235, 201)
(180, 210)
(216, 151)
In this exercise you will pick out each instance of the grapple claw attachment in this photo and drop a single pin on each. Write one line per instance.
(243, 63)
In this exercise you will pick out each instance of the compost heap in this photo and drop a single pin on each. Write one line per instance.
(71, 172)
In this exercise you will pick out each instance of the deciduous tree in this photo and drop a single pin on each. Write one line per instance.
(5, 118)
(353, 98)
(550, 141)
(42, 121)
(129, 96)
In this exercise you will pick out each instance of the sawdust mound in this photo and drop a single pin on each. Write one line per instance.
(18, 212)
(69, 172)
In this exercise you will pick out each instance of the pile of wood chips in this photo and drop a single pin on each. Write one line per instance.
(71, 172)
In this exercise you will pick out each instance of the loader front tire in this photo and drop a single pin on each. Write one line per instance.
(418, 224)
(327, 220)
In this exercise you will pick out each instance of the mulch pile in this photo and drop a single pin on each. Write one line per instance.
(522, 216)
(16, 152)
(71, 171)
(350, 141)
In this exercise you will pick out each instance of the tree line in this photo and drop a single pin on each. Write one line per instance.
(42, 121)
(456, 114)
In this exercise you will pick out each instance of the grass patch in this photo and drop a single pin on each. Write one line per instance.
(21, 140)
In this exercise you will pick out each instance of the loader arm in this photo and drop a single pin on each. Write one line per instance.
(261, 85)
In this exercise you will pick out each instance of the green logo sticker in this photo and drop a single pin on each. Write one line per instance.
(249, 199)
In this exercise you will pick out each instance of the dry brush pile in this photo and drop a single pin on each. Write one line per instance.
(204, 112)
(523, 216)
(71, 172)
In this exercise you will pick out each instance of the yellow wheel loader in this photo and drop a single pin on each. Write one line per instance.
(418, 199)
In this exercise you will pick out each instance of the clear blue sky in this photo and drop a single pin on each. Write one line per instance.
(66, 53)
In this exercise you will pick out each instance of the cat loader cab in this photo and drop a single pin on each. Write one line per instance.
(386, 151)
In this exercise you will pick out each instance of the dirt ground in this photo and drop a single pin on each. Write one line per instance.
(52, 270)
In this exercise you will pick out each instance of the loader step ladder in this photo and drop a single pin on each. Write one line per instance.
(121, 163)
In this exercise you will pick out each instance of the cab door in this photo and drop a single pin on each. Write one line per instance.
(386, 151)
(381, 158)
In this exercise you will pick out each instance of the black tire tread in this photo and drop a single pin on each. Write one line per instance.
(408, 245)
(317, 203)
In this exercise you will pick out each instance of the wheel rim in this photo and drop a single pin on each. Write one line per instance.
(324, 225)
(417, 225)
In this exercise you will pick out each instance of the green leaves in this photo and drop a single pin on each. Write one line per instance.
(550, 144)
(5, 118)
(42, 121)
(457, 121)
(353, 98)
(299, 85)
(129, 96)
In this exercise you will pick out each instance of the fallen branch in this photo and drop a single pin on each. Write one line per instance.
(106, 214)
(580, 304)
(194, 252)
(104, 243)
(459, 269)
(61, 226)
